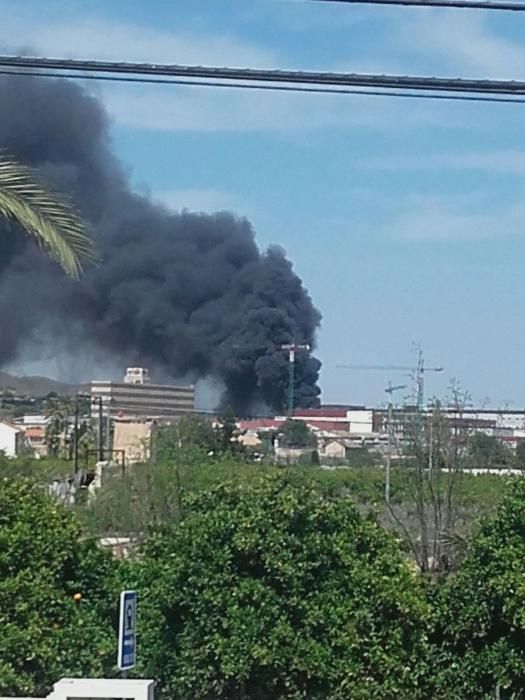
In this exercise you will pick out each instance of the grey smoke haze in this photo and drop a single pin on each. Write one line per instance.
(189, 295)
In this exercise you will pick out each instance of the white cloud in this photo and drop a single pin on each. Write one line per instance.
(502, 162)
(305, 16)
(105, 40)
(448, 220)
(171, 108)
(463, 42)
(174, 108)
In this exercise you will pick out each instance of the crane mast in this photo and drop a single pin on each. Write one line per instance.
(418, 371)
(292, 348)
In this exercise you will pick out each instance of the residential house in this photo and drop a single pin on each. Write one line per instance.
(12, 439)
(34, 427)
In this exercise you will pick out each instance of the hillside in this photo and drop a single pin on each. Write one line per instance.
(33, 386)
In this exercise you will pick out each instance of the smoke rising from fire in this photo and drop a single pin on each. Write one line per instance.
(189, 295)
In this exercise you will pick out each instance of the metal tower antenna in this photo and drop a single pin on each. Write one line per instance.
(292, 348)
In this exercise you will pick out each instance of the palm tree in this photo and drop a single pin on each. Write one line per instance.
(58, 411)
(47, 217)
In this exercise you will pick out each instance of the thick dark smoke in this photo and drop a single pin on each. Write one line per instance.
(187, 294)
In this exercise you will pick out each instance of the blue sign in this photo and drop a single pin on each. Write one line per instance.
(127, 635)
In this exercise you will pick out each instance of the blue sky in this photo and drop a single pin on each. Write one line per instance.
(405, 218)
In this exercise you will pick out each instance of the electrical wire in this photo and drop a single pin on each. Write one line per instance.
(461, 4)
(273, 77)
(278, 88)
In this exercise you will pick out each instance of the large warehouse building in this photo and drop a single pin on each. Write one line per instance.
(137, 396)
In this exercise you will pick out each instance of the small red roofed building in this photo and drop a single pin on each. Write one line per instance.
(34, 428)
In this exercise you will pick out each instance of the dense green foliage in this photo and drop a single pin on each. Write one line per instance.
(519, 456)
(362, 457)
(196, 434)
(45, 633)
(488, 452)
(150, 494)
(479, 613)
(58, 411)
(190, 431)
(296, 434)
(268, 591)
(41, 470)
(261, 582)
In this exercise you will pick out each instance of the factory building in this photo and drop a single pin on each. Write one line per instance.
(137, 396)
(356, 420)
(506, 424)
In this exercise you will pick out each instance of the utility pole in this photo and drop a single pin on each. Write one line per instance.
(390, 434)
(431, 446)
(108, 425)
(75, 435)
(292, 348)
(417, 373)
(100, 431)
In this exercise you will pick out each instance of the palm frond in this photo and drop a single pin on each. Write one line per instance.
(46, 216)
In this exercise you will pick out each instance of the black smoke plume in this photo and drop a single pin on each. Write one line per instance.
(189, 295)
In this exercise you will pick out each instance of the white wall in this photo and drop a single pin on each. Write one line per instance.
(90, 688)
(134, 438)
(360, 421)
(33, 420)
(8, 442)
(335, 450)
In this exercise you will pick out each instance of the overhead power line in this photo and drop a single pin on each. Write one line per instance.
(279, 88)
(273, 78)
(462, 4)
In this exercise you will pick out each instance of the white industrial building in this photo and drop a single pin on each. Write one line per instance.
(137, 396)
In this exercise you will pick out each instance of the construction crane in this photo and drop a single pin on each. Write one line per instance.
(292, 348)
(419, 372)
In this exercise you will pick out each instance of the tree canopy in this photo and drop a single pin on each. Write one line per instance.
(57, 597)
(479, 613)
(520, 455)
(188, 432)
(198, 434)
(488, 452)
(296, 434)
(260, 586)
(270, 591)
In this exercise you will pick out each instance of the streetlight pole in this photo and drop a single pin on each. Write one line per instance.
(390, 390)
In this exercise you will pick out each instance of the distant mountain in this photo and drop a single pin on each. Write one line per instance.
(34, 386)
